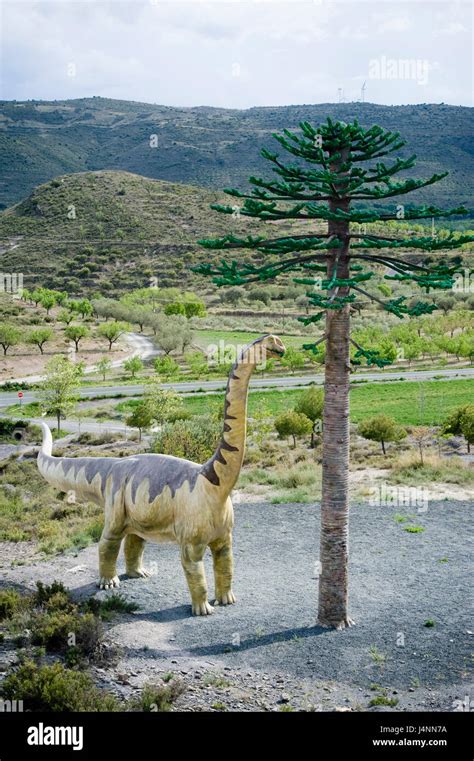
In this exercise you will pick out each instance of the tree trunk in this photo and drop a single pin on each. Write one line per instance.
(333, 581)
(58, 418)
(383, 446)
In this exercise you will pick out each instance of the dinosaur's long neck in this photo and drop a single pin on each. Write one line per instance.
(223, 469)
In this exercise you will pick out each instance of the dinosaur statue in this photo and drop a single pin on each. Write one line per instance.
(160, 498)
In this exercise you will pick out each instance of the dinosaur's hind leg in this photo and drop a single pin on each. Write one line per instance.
(191, 559)
(134, 549)
(223, 570)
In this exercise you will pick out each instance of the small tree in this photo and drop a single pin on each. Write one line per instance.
(311, 404)
(103, 366)
(39, 337)
(194, 439)
(197, 363)
(166, 366)
(133, 366)
(381, 428)
(48, 301)
(461, 423)
(76, 333)
(293, 424)
(422, 436)
(232, 296)
(112, 331)
(293, 359)
(65, 316)
(176, 308)
(194, 309)
(84, 307)
(9, 336)
(141, 418)
(59, 392)
(162, 403)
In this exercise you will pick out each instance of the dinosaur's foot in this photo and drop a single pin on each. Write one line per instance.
(225, 598)
(106, 582)
(138, 573)
(202, 609)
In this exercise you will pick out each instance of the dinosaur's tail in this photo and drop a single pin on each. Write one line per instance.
(47, 443)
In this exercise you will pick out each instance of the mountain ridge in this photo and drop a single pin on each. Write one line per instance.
(208, 146)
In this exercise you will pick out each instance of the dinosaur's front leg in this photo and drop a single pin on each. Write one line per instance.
(191, 559)
(223, 570)
(109, 548)
(134, 549)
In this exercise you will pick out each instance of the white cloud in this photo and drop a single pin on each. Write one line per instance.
(182, 53)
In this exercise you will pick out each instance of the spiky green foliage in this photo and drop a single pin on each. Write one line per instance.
(329, 169)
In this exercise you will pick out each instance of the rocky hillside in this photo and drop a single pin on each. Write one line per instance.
(210, 147)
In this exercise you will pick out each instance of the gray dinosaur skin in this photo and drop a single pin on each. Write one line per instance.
(160, 470)
(158, 497)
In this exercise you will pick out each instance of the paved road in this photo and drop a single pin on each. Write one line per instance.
(293, 381)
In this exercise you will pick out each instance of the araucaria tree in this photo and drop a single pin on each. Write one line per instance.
(340, 169)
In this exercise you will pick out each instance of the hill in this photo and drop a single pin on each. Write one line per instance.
(210, 147)
(111, 231)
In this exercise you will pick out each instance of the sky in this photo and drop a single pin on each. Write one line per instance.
(236, 54)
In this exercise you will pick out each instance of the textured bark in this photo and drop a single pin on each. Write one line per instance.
(333, 582)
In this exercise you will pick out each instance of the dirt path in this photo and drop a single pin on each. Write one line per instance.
(265, 653)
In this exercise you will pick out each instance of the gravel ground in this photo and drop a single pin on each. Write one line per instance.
(265, 652)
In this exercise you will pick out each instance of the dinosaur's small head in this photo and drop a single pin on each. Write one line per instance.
(272, 346)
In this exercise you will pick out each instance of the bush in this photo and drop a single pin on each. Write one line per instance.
(55, 688)
(10, 602)
(54, 631)
(293, 424)
(158, 697)
(114, 603)
(381, 428)
(54, 596)
(461, 422)
(194, 439)
(311, 404)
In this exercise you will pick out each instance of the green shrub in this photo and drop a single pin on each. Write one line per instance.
(158, 697)
(194, 439)
(114, 603)
(55, 688)
(382, 700)
(54, 630)
(54, 596)
(11, 602)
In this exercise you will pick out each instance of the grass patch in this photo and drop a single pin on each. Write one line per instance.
(35, 511)
(414, 529)
(383, 700)
(216, 680)
(112, 604)
(408, 470)
(158, 697)
(408, 402)
(55, 688)
(376, 655)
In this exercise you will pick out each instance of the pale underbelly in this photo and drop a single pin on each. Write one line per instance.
(159, 537)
